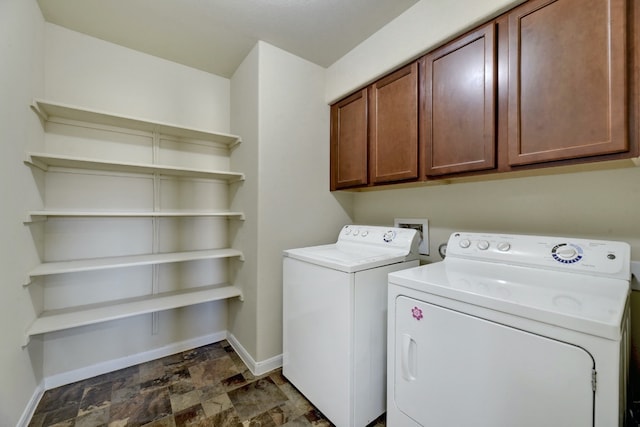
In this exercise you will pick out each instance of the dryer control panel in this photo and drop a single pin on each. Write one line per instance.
(594, 257)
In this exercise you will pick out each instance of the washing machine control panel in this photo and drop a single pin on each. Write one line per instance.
(389, 237)
(598, 257)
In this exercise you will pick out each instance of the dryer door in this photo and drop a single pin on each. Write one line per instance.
(454, 369)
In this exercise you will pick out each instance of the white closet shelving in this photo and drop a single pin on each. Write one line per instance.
(161, 142)
(44, 161)
(92, 264)
(57, 320)
(46, 110)
(33, 216)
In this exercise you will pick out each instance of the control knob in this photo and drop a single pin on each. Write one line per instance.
(389, 236)
(504, 246)
(483, 245)
(566, 252)
(465, 243)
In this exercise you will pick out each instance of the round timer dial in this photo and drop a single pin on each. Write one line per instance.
(567, 253)
(389, 236)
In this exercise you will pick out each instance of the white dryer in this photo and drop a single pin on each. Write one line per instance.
(511, 330)
(335, 316)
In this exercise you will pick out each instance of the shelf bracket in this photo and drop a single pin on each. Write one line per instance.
(31, 218)
(43, 116)
(239, 179)
(26, 339)
(235, 143)
(29, 161)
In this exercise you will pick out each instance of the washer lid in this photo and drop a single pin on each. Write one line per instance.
(361, 247)
(348, 259)
(588, 304)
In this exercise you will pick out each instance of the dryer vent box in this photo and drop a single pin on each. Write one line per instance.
(419, 224)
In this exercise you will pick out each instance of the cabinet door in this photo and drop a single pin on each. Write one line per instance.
(458, 105)
(349, 136)
(393, 120)
(567, 68)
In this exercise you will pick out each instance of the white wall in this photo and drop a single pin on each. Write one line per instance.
(21, 79)
(91, 73)
(419, 29)
(244, 235)
(294, 205)
(95, 74)
(596, 204)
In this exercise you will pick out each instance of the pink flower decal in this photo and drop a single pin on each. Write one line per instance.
(416, 313)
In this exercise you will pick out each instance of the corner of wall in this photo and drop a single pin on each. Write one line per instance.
(22, 50)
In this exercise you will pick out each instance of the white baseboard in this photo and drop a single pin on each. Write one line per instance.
(256, 368)
(69, 377)
(27, 414)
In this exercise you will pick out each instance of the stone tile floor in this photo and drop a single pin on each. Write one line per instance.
(206, 386)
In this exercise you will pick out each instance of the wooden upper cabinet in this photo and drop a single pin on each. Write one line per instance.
(349, 137)
(458, 105)
(393, 127)
(567, 85)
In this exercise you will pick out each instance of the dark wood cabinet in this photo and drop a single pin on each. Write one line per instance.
(567, 88)
(349, 139)
(458, 105)
(550, 82)
(393, 127)
(374, 133)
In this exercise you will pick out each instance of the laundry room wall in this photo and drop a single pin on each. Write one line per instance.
(278, 106)
(245, 120)
(295, 207)
(21, 79)
(591, 204)
(94, 74)
(91, 73)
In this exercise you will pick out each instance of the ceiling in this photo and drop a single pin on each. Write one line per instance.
(216, 35)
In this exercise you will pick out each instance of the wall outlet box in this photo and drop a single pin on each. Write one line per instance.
(419, 224)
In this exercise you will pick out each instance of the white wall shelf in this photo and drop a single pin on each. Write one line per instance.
(34, 216)
(44, 161)
(76, 266)
(160, 171)
(48, 109)
(58, 320)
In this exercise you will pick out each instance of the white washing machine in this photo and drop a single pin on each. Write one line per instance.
(335, 318)
(511, 330)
